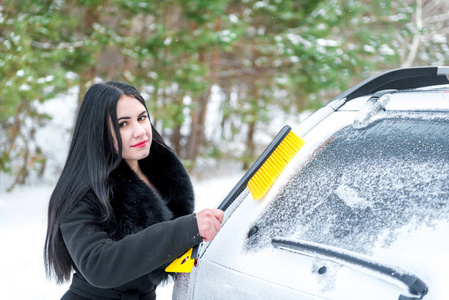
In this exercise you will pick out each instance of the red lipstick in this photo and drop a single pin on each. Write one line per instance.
(140, 144)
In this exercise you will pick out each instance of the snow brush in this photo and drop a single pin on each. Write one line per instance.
(284, 147)
(259, 178)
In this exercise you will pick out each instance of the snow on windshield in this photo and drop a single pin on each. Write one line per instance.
(366, 188)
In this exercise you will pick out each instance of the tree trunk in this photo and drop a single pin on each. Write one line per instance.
(250, 148)
(176, 140)
(86, 79)
(197, 126)
(87, 76)
(200, 109)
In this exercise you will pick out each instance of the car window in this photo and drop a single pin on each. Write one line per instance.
(364, 187)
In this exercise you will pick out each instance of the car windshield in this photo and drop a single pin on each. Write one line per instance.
(365, 187)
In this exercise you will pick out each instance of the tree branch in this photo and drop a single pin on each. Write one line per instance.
(416, 37)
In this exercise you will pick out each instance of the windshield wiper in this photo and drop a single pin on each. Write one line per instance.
(415, 285)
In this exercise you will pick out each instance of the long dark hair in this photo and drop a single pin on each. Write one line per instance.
(92, 157)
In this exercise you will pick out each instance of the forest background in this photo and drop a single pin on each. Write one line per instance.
(262, 62)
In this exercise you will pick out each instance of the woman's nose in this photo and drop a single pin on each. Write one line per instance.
(139, 130)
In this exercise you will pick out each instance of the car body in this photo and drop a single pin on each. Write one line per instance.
(360, 212)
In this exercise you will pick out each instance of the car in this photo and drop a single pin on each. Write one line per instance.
(360, 212)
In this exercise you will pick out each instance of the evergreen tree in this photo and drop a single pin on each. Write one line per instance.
(29, 74)
(259, 56)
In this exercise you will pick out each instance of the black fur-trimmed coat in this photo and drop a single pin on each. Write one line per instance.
(150, 229)
(136, 206)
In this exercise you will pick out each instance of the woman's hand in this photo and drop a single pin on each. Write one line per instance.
(209, 223)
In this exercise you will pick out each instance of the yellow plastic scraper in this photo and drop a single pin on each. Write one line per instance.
(259, 178)
(184, 263)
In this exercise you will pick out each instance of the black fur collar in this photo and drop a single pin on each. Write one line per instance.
(135, 204)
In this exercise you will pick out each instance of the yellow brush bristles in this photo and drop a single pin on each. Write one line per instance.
(264, 178)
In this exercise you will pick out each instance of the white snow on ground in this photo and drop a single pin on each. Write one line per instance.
(22, 233)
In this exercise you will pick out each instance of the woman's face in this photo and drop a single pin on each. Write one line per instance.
(135, 129)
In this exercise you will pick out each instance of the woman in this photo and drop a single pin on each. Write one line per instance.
(122, 209)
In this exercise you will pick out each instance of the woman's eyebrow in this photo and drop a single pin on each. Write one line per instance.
(127, 118)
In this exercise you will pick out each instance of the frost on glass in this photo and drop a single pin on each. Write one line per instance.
(364, 186)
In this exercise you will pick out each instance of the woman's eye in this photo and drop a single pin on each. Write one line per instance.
(143, 118)
(122, 124)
